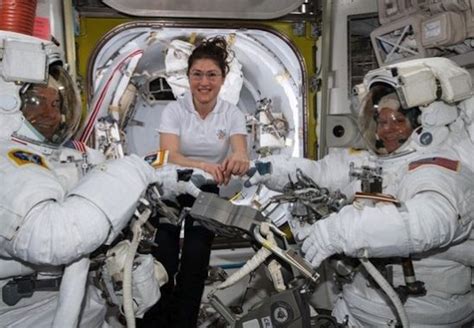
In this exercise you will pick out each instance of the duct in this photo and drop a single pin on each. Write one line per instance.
(245, 9)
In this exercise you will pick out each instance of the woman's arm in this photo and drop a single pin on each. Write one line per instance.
(171, 142)
(238, 162)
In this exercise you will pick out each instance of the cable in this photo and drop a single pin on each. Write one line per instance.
(387, 288)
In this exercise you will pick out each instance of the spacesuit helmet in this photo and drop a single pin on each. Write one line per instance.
(423, 92)
(51, 110)
(385, 125)
(39, 101)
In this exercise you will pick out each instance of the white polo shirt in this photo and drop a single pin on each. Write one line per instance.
(203, 139)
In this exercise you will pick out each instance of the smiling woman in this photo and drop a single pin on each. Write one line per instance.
(393, 128)
(207, 68)
(198, 130)
(205, 81)
(194, 133)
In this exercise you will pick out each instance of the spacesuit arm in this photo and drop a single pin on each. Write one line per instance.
(58, 232)
(329, 172)
(429, 221)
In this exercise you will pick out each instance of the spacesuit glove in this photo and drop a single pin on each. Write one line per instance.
(270, 171)
(148, 276)
(321, 240)
(200, 177)
(256, 174)
(94, 156)
(175, 181)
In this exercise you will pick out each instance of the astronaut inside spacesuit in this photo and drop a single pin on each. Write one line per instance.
(41, 108)
(56, 207)
(405, 119)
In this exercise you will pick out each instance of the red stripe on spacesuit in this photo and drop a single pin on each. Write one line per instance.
(438, 161)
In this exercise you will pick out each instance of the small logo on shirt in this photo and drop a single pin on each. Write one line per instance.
(220, 133)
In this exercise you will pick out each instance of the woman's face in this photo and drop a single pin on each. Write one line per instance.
(205, 81)
(393, 128)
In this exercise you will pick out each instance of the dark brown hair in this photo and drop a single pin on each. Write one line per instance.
(214, 49)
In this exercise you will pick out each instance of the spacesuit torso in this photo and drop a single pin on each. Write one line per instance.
(424, 150)
(53, 214)
(445, 269)
(30, 176)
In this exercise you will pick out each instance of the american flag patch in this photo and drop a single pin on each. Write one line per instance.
(438, 161)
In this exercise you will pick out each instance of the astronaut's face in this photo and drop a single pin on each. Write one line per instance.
(205, 80)
(393, 128)
(42, 108)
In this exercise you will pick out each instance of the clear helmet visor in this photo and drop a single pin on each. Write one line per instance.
(385, 126)
(52, 110)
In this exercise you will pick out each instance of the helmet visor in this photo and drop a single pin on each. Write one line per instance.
(53, 110)
(384, 125)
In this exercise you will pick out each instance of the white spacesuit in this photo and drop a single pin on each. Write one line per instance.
(427, 171)
(56, 207)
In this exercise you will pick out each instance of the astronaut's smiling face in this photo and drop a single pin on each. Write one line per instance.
(205, 80)
(42, 108)
(393, 128)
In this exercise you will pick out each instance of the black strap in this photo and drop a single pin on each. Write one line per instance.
(24, 287)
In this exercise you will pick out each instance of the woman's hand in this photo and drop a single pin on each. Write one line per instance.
(237, 164)
(216, 170)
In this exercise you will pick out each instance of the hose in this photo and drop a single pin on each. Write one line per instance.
(18, 16)
(249, 266)
(128, 266)
(388, 289)
(259, 257)
(71, 294)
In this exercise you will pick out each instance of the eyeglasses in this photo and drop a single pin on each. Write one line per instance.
(198, 75)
